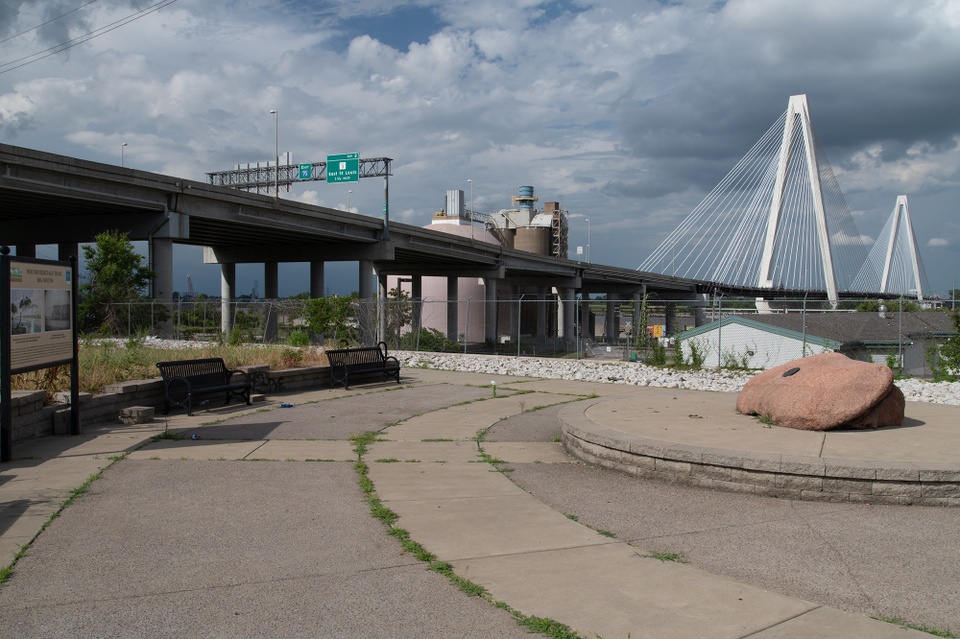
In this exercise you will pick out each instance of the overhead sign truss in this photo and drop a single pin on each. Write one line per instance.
(264, 178)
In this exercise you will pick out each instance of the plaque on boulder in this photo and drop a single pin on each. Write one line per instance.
(824, 392)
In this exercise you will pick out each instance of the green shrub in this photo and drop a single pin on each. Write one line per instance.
(298, 338)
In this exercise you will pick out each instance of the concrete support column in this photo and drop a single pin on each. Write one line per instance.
(541, 302)
(586, 322)
(26, 250)
(700, 309)
(66, 249)
(367, 325)
(416, 296)
(515, 312)
(453, 307)
(670, 319)
(161, 263)
(611, 327)
(569, 319)
(382, 303)
(639, 322)
(271, 291)
(316, 280)
(490, 310)
(228, 283)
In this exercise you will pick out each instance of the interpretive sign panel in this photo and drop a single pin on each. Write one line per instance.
(37, 329)
(40, 310)
(344, 167)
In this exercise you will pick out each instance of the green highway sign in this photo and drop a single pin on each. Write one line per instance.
(344, 167)
(306, 171)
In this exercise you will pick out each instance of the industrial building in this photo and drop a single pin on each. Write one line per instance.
(521, 227)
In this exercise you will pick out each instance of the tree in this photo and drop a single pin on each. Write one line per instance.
(944, 359)
(116, 276)
(331, 317)
(399, 313)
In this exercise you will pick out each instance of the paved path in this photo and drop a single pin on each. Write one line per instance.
(259, 528)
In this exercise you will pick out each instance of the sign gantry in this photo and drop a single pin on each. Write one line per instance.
(264, 177)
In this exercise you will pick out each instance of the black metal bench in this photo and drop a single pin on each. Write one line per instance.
(185, 379)
(361, 360)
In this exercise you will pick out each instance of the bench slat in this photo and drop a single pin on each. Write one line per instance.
(364, 359)
(200, 376)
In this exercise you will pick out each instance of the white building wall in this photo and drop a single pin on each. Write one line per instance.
(759, 349)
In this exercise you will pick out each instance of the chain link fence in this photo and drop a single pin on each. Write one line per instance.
(696, 332)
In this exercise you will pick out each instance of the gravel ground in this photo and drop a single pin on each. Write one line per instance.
(618, 372)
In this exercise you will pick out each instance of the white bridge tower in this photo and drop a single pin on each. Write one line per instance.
(798, 115)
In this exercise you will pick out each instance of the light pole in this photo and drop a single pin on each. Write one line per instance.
(588, 240)
(470, 212)
(276, 148)
(121, 153)
(348, 198)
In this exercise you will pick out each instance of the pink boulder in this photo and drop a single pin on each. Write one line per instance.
(823, 392)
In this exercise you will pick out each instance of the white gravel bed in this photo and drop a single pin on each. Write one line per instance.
(617, 372)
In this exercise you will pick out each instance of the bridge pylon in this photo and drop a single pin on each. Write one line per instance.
(901, 271)
(798, 115)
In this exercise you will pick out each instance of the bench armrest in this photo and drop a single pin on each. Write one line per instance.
(244, 374)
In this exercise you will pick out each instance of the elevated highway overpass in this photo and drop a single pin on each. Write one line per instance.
(54, 199)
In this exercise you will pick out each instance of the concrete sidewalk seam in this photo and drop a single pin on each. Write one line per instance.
(782, 622)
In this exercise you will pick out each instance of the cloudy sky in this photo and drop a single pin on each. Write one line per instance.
(626, 111)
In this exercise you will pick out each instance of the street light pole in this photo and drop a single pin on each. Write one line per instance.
(121, 153)
(276, 148)
(588, 240)
(348, 198)
(470, 212)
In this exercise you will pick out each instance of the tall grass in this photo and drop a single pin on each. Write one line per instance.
(104, 362)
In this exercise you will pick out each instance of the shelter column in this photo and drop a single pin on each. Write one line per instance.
(316, 279)
(453, 307)
(26, 250)
(228, 282)
(161, 263)
(271, 291)
(367, 328)
(490, 310)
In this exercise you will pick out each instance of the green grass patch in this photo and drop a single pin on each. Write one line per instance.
(676, 557)
(903, 623)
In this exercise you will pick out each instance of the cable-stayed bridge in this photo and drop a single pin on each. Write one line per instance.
(779, 221)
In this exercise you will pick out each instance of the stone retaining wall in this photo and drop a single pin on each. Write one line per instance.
(33, 419)
(771, 475)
